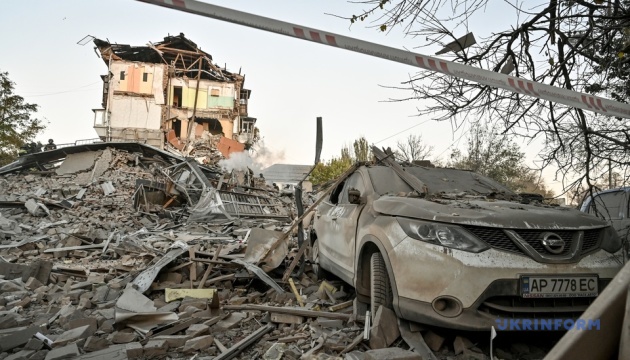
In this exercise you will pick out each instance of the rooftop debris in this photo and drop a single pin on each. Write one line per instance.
(169, 259)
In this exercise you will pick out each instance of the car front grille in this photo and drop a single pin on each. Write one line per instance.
(533, 237)
(494, 237)
(498, 239)
(591, 240)
(516, 307)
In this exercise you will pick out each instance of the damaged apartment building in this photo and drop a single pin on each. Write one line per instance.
(171, 93)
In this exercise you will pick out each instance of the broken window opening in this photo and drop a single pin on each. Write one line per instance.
(122, 75)
(177, 96)
(334, 196)
(177, 127)
(145, 77)
(213, 126)
(247, 125)
(355, 181)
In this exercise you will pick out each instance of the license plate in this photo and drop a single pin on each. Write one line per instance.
(549, 286)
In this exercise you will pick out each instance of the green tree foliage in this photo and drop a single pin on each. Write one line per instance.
(362, 150)
(330, 170)
(18, 125)
(334, 167)
(499, 158)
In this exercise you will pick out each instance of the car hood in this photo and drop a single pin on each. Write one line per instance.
(503, 214)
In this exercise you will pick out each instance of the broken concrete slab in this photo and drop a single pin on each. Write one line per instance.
(115, 352)
(231, 321)
(391, 354)
(260, 242)
(39, 270)
(36, 208)
(384, 330)
(460, 344)
(65, 352)
(196, 330)
(18, 338)
(433, 340)
(95, 343)
(173, 341)
(69, 336)
(78, 162)
(134, 350)
(198, 343)
(21, 355)
(155, 348)
(124, 337)
(138, 311)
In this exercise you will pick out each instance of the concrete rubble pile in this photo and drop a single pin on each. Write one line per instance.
(107, 253)
(204, 148)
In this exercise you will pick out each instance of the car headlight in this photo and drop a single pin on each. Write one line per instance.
(611, 241)
(451, 236)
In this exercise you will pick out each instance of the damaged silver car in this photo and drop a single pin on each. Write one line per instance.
(455, 249)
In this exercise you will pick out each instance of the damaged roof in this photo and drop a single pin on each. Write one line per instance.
(286, 173)
(177, 50)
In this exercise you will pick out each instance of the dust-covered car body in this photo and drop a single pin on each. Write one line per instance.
(612, 205)
(464, 254)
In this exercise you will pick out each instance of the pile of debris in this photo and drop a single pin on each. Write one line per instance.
(125, 251)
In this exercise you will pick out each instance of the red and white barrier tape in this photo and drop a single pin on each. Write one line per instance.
(542, 91)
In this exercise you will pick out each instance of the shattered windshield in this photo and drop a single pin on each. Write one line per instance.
(438, 180)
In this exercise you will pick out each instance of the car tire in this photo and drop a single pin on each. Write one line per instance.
(380, 288)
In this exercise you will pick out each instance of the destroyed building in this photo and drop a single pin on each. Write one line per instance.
(170, 93)
(124, 251)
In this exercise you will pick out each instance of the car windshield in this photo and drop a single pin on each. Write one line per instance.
(438, 181)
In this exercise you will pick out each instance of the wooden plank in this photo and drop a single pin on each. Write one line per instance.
(243, 344)
(411, 180)
(187, 284)
(357, 340)
(288, 310)
(295, 261)
(220, 346)
(173, 328)
(296, 293)
(70, 248)
(193, 266)
(343, 305)
(210, 266)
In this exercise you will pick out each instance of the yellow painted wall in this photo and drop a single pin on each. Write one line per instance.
(189, 98)
(146, 87)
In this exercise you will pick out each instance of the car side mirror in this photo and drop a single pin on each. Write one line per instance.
(354, 196)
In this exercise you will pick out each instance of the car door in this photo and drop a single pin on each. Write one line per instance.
(613, 207)
(336, 232)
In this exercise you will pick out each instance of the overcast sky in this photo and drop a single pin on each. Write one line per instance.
(292, 81)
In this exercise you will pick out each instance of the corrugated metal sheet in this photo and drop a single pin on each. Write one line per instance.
(286, 173)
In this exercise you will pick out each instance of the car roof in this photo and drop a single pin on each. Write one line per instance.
(444, 180)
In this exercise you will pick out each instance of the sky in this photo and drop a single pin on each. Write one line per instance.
(292, 81)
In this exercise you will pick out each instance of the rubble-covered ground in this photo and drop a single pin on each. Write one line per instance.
(111, 254)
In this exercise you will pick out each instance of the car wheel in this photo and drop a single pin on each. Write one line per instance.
(380, 289)
(317, 270)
